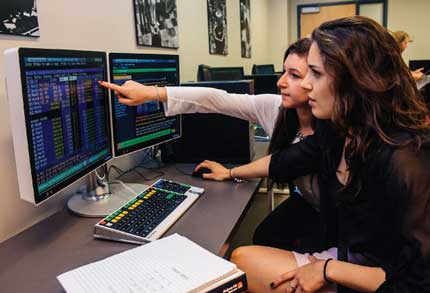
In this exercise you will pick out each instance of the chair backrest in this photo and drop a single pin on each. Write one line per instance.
(203, 72)
(225, 73)
(263, 69)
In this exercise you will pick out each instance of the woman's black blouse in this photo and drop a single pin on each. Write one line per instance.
(388, 221)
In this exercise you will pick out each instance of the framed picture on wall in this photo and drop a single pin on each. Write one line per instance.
(156, 23)
(245, 30)
(19, 17)
(217, 27)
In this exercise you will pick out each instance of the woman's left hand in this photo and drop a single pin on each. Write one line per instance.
(308, 278)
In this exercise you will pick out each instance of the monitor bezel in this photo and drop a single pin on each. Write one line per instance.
(138, 147)
(38, 198)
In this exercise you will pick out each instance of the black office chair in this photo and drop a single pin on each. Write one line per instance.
(263, 69)
(203, 72)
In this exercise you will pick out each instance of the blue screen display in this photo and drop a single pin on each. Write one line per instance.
(67, 117)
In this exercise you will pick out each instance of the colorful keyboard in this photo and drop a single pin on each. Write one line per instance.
(150, 214)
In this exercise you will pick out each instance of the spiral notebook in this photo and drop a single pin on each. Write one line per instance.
(171, 264)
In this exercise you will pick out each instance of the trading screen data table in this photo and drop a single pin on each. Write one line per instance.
(66, 116)
(139, 126)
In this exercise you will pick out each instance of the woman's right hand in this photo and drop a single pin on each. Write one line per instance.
(218, 171)
(132, 93)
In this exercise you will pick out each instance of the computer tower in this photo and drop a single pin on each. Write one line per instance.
(214, 137)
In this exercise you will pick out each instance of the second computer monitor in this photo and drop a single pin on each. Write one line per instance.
(208, 136)
(139, 127)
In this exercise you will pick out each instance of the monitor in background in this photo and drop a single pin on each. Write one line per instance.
(213, 136)
(225, 73)
(263, 69)
(416, 64)
(265, 83)
(139, 127)
(59, 117)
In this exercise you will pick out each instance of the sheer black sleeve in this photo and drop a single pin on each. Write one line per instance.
(296, 160)
(407, 186)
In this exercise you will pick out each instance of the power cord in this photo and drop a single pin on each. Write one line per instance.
(125, 186)
(182, 172)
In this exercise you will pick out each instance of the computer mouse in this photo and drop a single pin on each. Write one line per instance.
(199, 173)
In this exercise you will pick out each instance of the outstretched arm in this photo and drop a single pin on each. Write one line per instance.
(132, 93)
(262, 109)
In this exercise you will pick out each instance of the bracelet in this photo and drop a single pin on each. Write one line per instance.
(324, 270)
(158, 93)
(235, 179)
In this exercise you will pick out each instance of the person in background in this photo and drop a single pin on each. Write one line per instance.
(286, 118)
(403, 39)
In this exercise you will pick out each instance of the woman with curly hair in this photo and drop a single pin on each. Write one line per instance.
(371, 150)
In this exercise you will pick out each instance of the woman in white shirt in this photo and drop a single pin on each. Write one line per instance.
(286, 118)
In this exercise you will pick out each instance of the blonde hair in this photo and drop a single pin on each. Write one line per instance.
(401, 36)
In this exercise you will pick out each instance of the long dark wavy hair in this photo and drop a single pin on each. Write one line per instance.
(287, 122)
(376, 98)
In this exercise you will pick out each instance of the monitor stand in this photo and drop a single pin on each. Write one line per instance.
(98, 198)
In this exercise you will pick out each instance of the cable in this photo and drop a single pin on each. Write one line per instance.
(158, 174)
(182, 172)
(101, 178)
(125, 186)
(118, 170)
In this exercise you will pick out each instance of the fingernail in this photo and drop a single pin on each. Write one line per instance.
(272, 285)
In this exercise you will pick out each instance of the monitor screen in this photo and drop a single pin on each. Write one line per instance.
(142, 126)
(213, 136)
(417, 64)
(63, 114)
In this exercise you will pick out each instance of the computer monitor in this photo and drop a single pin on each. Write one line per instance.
(139, 127)
(263, 69)
(213, 136)
(416, 64)
(264, 83)
(59, 117)
(225, 73)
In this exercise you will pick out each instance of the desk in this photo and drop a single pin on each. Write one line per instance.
(30, 261)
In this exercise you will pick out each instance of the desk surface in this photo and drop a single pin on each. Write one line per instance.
(30, 261)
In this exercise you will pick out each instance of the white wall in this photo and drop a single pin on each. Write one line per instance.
(277, 32)
(108, 25)
(409, 16)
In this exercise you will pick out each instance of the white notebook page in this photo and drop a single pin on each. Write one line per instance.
(171, 264)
